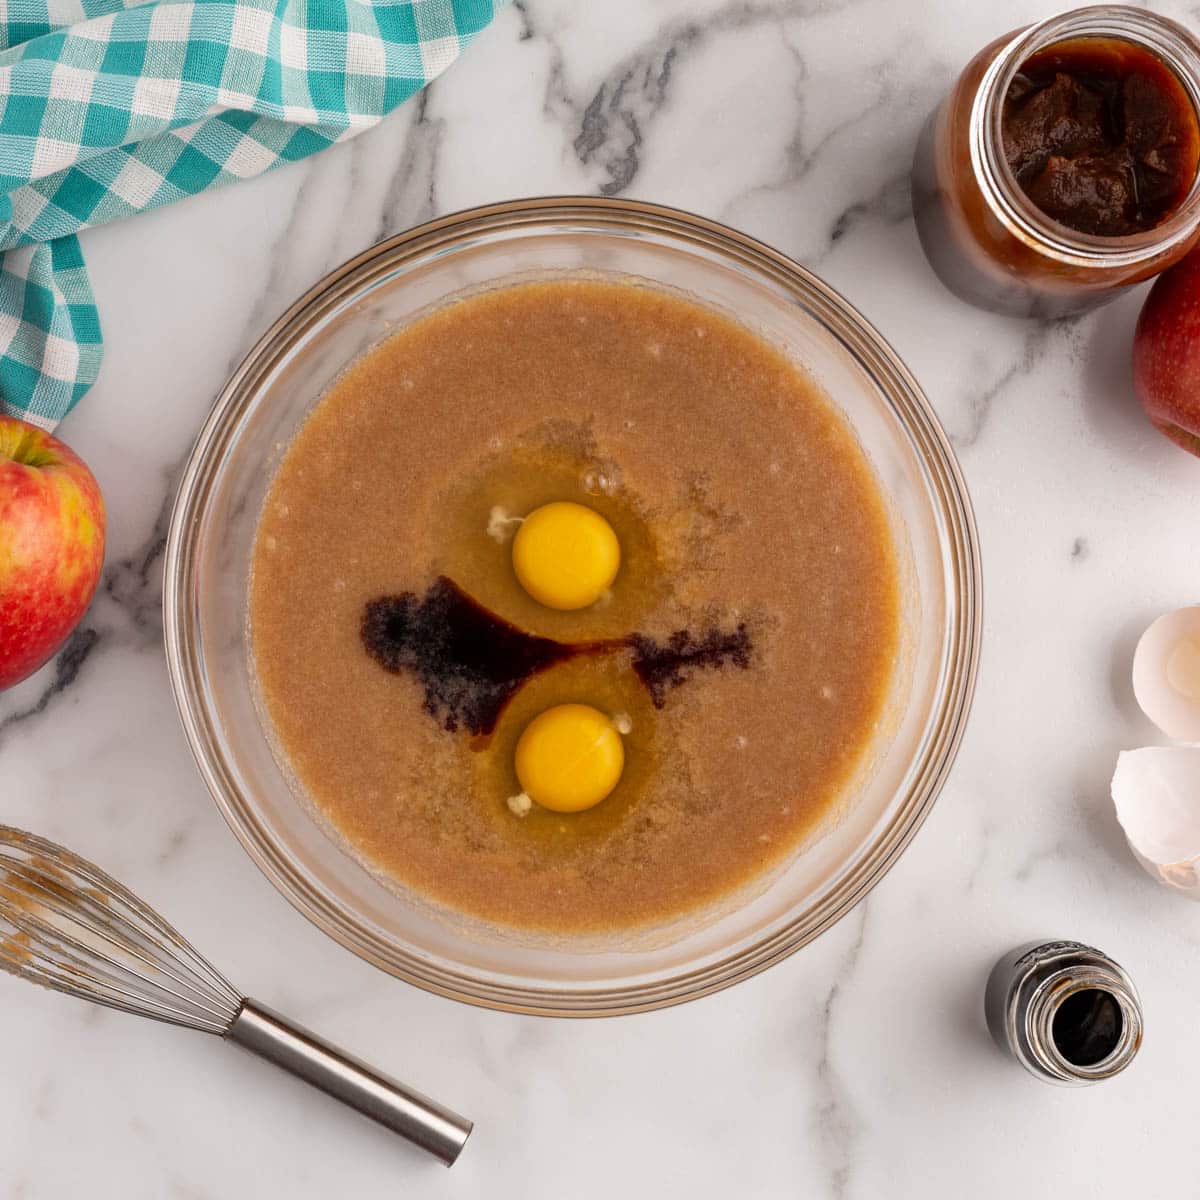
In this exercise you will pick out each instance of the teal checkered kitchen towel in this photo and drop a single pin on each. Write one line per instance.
(108, 108)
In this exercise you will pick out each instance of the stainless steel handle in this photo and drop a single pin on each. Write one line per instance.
(413, 1116)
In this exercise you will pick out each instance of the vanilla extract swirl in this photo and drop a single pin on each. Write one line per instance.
(471, 662)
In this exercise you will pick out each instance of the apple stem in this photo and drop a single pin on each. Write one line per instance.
(30, 449)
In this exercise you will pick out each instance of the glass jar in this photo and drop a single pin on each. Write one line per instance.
(987, 241)
(1034, 987)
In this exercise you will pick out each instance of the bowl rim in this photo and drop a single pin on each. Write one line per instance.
(948, 493)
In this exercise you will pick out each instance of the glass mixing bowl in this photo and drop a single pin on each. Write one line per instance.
(269, 396)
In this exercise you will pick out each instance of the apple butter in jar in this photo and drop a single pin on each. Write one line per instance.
(1062, 167)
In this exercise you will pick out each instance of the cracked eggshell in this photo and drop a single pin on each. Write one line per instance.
(1156, 792)
(1166, 674)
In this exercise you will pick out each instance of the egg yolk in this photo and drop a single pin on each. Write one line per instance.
(569, 758)
(566, 555)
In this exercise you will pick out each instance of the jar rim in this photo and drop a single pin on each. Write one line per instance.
(1170, 42)
(1049, 998)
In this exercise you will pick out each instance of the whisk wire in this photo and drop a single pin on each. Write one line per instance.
(109, 889)
(84, 933)
(129, 942)
(91, 974)
(157, 926)
(116, 997)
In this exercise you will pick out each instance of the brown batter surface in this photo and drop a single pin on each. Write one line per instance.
(740, 497)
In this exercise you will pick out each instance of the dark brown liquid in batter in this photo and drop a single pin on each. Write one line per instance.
(471, 662)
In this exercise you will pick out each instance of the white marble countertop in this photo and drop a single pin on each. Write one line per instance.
(858, 1068)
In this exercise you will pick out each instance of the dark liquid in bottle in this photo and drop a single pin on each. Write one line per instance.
(1087, 1027)
(1101, 135)
(471, 662)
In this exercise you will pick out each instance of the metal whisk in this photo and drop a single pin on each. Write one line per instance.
(69, 926)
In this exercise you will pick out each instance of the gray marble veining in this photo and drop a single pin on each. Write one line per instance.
(857, 1069)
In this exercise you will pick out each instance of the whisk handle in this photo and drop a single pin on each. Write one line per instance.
(422, 1121)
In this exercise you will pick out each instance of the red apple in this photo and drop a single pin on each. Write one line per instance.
(51, 546)
(1166, 354)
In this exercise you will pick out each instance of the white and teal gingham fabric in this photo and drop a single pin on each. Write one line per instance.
(110, 107)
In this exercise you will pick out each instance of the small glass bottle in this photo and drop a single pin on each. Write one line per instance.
(987, 241)
(1066, 1012)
